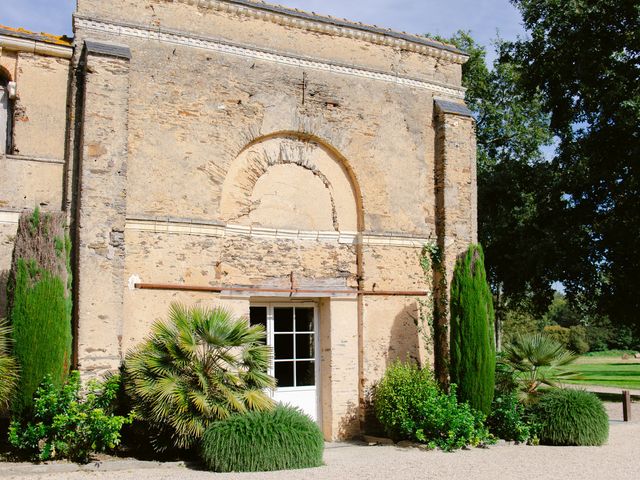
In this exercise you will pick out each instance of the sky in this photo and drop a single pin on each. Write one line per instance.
(484, 18)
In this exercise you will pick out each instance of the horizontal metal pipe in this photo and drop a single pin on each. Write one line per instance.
(196, 288)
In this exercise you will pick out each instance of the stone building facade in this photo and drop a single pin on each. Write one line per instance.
(287, 165)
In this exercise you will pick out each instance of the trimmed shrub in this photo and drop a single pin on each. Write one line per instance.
(571, 417)
(67, 424)
(410, 406)
(199, 367)
(39, 304)
(281, 439)
(473, 352)
(8, 367)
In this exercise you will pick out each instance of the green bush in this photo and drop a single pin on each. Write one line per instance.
(559, 334)
(67, 424)
(281, 439)
(508, 420)
(39, 304)
(199, 367)
(410, 406)
(473, 353)
(571, 417)
(8, 367)
(579, 340)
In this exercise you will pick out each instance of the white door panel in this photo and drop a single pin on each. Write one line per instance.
(292, 333)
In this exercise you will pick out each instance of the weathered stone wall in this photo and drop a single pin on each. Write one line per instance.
(213, 18)
(100, 215)
(235, 150)
(32, 175)
(41, 107)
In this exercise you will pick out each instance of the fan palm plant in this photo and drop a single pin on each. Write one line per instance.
(8, 367)
(535, 361)
(201, 366)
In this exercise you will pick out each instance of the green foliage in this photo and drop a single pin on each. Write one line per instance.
(571, 417)
(41, 323)
(512, 129)
(410, 405)
(64, 425)
(199, 367)
(579, 340)
(40, 304)
(472, 336)
(582, 56)
(507, 419)
(34, 221)
(8, 367)
(558, 334)
(280, 439)
(535, 361)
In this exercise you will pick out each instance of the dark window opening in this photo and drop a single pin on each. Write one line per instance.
(6, 115)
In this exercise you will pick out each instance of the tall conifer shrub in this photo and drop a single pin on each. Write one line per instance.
(39, 301)
(473, 355)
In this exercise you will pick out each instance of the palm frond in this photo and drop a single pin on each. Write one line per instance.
(199, 366)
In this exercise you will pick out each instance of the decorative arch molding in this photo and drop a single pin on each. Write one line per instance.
(292, 180)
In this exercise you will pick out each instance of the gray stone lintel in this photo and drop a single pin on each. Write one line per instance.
(452, 108)
(107, 49)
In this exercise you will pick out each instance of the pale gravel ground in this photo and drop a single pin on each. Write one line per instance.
(619, 460)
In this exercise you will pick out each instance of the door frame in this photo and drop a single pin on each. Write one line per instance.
(279, 303)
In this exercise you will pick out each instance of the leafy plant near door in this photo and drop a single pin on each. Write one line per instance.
(410, 405)
(198, 367)
(68, 423)
(473, 352)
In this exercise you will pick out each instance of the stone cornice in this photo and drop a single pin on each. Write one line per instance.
(185, 226)
(174, 37)
(333, 26)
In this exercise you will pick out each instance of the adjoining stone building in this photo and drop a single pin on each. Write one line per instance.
(287, 165)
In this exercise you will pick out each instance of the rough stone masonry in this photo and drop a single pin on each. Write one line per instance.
(234, 152)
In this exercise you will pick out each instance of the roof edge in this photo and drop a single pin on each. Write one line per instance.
(59, 40)
(21, 40)
(333, 26)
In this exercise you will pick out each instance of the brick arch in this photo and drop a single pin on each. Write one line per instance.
(294, 181)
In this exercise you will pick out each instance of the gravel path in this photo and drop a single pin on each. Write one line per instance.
(619, 460)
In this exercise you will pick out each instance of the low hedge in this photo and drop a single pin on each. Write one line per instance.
(571, 418)
(281, 439)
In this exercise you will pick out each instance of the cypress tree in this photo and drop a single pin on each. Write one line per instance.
(473, 354)
(39, 301)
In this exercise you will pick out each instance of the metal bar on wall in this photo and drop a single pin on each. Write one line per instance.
(196, 288)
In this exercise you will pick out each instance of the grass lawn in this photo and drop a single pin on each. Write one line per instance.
(607, 371)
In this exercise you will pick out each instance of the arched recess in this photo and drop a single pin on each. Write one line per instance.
(289, 180)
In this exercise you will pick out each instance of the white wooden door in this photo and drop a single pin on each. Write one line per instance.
(292, 333)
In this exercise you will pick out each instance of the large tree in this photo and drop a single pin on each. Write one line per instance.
(584, 57)
(514, 180)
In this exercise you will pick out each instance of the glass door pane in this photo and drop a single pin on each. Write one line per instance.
(291, 334)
